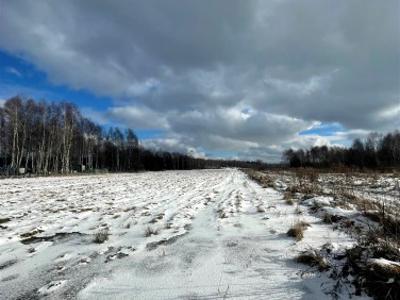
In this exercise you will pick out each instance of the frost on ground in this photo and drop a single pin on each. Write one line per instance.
(205, 234)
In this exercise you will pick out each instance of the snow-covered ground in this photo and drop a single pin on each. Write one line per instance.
(204, 234)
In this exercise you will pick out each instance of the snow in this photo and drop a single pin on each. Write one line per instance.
(218, 234)
(51, 287)
(384, 262)
(319, 201)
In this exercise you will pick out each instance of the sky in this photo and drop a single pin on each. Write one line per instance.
(239, 79)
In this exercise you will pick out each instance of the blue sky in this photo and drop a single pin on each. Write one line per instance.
(19, 77)
(326, 129)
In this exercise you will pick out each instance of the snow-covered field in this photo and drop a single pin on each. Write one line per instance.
(204, 234)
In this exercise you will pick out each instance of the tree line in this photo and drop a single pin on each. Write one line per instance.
(376, 151)
(50, 138)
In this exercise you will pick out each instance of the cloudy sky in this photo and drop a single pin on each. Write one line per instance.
(220, 78)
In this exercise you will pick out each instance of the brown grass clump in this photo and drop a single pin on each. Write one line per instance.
(168, 225)
(289, 202)
(150, 231)
(313, 259)
(297, 230)
(288, 197)
(101, 236)
(327, 218)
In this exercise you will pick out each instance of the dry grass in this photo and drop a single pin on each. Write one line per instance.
(149, 231)
(297, 230)
(221, 213)
(157, 218)
(327, 218)
(288, 197)
(359, 202)
(381, 280)
(168, 225)
(289, 202)
(305, 188)
(313, 259)
(101, 236)
(380, 239)
(263, 179)
(307, 175)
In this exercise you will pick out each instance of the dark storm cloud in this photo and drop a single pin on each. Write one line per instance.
(237, 75)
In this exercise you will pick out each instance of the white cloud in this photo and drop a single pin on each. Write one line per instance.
(172, 145)
(305, 88)
(14, 71)
(139, 117)
(95, 116)
(244, 76)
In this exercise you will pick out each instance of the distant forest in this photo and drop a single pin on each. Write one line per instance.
(50, 138)
(376, 151)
